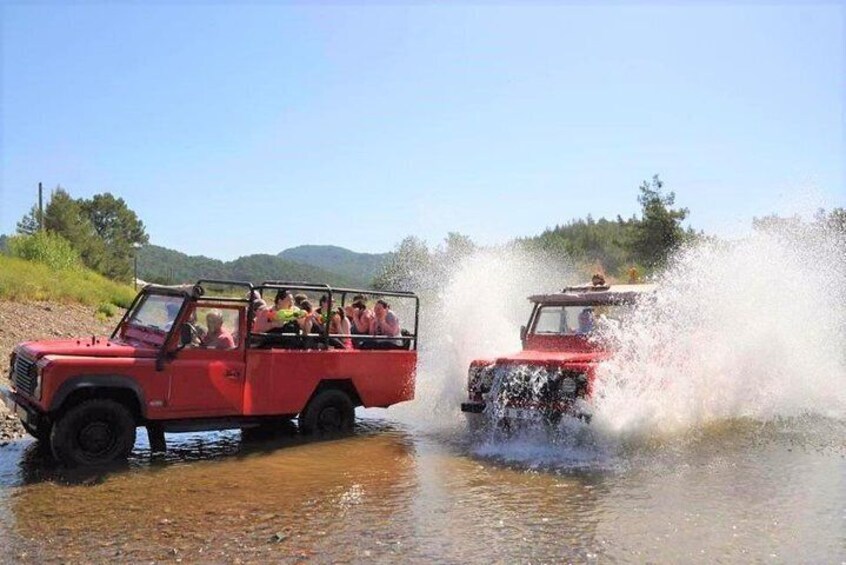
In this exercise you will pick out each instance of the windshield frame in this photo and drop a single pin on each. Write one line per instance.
(138, 303)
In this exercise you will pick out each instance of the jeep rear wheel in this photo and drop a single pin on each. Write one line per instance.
(330, 412)
(93, 432)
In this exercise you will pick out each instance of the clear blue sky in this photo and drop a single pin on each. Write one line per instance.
(234, 130)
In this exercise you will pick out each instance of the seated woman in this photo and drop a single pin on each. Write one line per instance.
(216, 336)
(285, 317)
(339, 325)
(384, 323)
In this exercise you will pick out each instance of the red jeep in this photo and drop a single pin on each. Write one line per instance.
(87, 396)
(553, 375)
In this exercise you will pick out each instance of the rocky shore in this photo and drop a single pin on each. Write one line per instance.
(23, 321)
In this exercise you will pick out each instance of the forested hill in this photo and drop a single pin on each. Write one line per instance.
(163, 265)
(359, 267)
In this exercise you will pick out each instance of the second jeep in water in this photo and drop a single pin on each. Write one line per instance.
(554, 373)
(85, 397)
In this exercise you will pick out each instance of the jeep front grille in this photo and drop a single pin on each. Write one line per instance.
(539, 385)
(25, 375)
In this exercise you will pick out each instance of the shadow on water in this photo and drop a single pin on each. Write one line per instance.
(35, 464)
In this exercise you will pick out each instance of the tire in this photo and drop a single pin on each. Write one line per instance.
(41, 434)
(93, 432)
(329, 412)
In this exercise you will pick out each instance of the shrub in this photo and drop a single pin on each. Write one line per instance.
(30, 280)
(106, 310)
(45, 247)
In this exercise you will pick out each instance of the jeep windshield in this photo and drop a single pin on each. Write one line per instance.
(577, 319)
(152, 318)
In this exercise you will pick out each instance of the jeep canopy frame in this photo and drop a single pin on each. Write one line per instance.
(408, 339)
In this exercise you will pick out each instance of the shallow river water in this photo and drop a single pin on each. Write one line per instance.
(740, 491)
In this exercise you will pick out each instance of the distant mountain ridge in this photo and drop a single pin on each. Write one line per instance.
(361, 268)
(168, 266)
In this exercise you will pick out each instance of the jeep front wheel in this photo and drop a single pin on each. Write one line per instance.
(41, 433)
(330, 412)
(93, 432)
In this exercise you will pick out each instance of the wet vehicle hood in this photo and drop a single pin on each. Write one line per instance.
(547, 358)
(86, 347)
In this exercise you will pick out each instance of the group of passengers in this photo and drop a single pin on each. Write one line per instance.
(295, 313)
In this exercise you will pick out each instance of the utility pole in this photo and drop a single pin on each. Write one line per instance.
(40, 208)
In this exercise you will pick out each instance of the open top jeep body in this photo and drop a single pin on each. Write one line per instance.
(554, 373)
(87, 396)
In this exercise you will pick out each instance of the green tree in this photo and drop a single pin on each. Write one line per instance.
(659, 231)
(407, 268)
(28, 225)
(64, 216)
(119, 229)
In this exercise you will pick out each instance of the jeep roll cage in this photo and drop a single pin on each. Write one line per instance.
(198, 290)
(409, 339)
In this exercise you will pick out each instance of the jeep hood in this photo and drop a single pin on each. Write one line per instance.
(98, 347)
(548, 358)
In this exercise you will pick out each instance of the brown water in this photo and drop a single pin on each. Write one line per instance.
(741, 491)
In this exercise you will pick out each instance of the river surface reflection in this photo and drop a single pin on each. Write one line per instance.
(738, 492)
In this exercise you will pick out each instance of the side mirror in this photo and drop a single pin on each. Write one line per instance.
(523, 333)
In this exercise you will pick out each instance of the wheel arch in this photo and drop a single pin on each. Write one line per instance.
(120, 388)
(344, 385)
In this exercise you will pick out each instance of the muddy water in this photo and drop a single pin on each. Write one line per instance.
(740, 491)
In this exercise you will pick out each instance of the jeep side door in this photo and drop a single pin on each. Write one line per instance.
(206, 377)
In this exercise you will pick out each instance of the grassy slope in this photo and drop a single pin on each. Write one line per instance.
(26, 280)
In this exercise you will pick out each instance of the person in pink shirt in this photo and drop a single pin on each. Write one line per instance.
(216, 337)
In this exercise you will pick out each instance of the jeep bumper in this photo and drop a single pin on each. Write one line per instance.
(18, 406)
(473, 407)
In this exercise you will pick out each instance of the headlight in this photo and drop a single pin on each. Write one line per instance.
(571, 385)
(479, 378)
(567, 387)
(41, 366)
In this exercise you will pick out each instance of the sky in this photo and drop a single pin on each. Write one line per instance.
(234, 130)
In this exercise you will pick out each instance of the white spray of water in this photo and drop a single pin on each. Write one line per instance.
(474, 312)
(749, 329)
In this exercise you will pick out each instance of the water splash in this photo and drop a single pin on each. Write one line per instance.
(749, 329)
(474, 309)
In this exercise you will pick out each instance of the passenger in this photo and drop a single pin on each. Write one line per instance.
(340, 325)
(261, 323)
(308, 323)
(216, 337)
(299, 298)
(362, 318)
(384, 321)
(285, 317)
(586, 321)
(324, 308)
